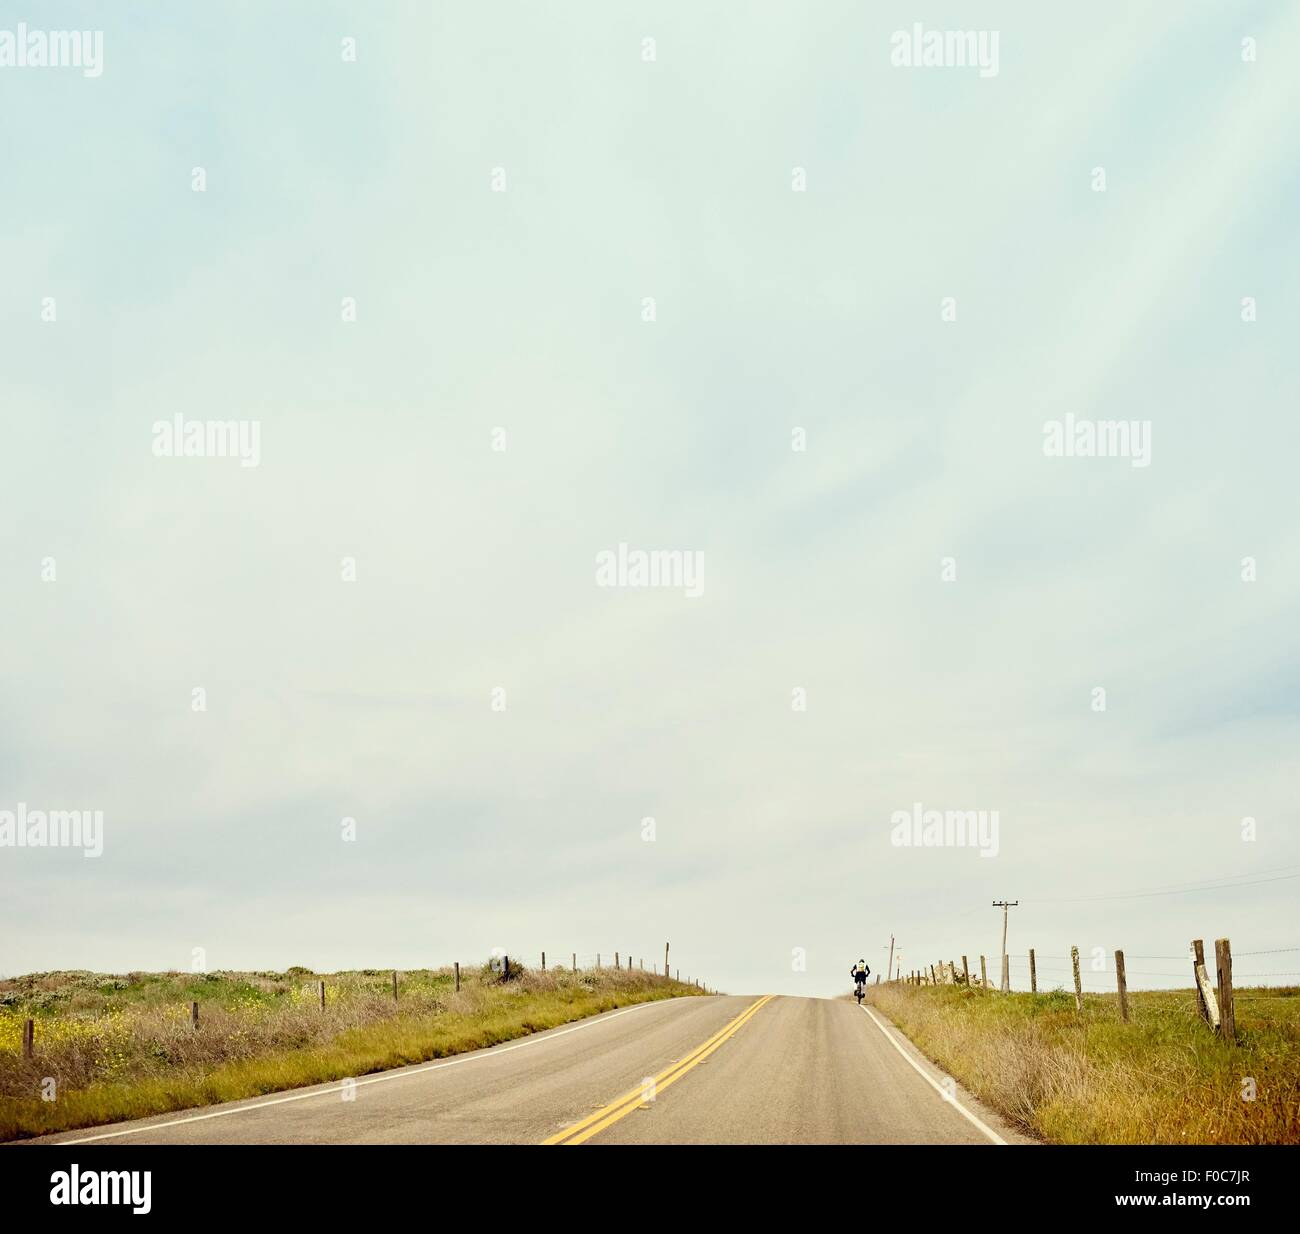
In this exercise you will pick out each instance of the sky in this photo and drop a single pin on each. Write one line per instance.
(908, 270)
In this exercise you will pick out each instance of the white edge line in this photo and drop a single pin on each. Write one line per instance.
(947, 1098)
(399, 1073)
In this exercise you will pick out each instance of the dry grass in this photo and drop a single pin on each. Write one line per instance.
(123, 1047)
(1087, 1078)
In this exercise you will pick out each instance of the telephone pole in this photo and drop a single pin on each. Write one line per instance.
(1006, 967)
(889, 976)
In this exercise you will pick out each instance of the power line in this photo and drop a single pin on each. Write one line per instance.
(1221, 884)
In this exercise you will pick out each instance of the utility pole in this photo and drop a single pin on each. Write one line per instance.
(889, 976)
(1006, 967)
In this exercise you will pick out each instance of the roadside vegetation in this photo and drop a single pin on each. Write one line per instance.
(1087, 1078)
(116, 1047)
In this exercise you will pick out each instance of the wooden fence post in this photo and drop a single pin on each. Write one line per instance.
(505, 962)
(543, 961)
(1227, 1007)
(394, 985)
(932, 980)
(1198, 962)
(1122, 982)
(457, 976)
(575, 961)
(29, 1038)
(1033, 973)
(1078, 984)
(616, 961)
(194, 1015)
(965, 971)
(1207, 997)
(322, 995)
(667, 970)
(984, 975)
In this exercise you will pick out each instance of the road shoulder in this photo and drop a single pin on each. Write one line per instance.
(974, 1108)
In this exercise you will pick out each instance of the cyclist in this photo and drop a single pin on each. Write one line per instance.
(860, 972)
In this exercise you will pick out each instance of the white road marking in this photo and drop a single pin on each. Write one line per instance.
(400, 1074)
(949, 1100)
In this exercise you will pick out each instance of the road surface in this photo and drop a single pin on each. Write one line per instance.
(710, 1070)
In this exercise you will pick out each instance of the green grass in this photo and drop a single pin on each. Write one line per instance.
(120, 1047)
(1088, 1078)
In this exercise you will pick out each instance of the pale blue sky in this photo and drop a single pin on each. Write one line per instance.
(476, 569)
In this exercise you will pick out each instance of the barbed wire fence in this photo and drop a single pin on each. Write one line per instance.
(1108, 974)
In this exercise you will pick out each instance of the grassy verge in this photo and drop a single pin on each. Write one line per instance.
(1088, 1078)
(113, 1047)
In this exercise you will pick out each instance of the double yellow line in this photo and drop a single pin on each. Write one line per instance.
(624, 1105)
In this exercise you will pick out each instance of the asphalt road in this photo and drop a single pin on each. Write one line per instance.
(716, 1070)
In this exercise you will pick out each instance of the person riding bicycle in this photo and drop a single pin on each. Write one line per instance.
(860, 972)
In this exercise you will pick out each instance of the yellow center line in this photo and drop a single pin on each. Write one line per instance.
(622, 1106)
(637, 1095)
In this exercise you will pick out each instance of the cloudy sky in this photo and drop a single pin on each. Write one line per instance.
(674, 178)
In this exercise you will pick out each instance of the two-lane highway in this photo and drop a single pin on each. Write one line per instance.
(715, 1070)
